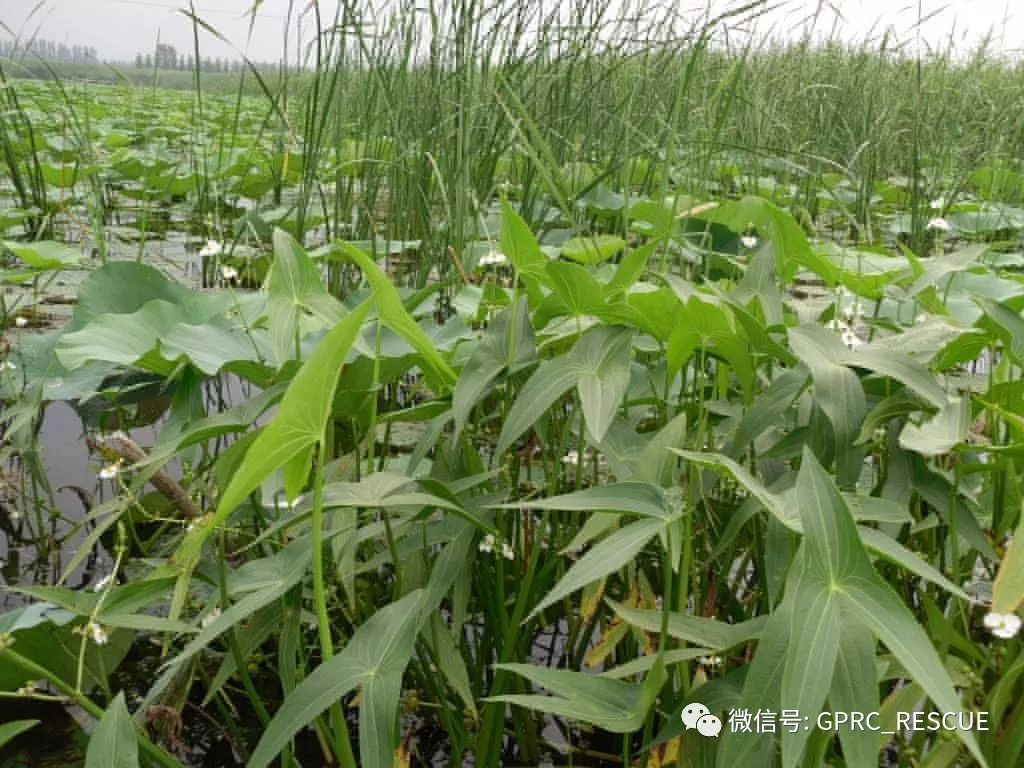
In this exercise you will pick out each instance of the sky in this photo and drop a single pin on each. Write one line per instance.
(121, 28)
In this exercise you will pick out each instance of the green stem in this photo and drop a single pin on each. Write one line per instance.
(342, 744)
(37, 672)
(235, 647)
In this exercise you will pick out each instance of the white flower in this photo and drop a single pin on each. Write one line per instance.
(507, 551)
(852, 340)
(7, 365)
(96, 633)
(1003, 625)
(228, 272)
(212, 248)
(749, 241)
(854, 312)
(837, 325)
(937, 204)
(209, 618)
(710, 661)
(487, 545)
(492, 257)
(572, 458)
(920, 319)
(103, 583)
(291, 504)
(110, 471)
(20, 322)
(196, 523)
(939, 224)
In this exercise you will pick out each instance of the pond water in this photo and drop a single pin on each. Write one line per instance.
(41, 530)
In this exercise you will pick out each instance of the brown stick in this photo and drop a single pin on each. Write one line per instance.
(458, 263)
(122, 446)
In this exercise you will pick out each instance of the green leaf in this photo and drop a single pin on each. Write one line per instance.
(508, 343)
(113, 743)
(230, 421)
(707, 326)
(834, 550)
(774, 503)
(750, 749)
(44, 254)
(632, 497)
(608, 556)
(295, 287)
(123, 287)
(157, 335)
(578, 290)
(792, 247)
(939, 267)
(656, 309)
(876, 357)
(380, 490)
(598, 365)
(519, 244)
(121, 606)
(45, 634)
(299, 423)
(940, 493)
(1007, 324)
(632, 267)
(602, 358)
(711, 634)
(657, 218)
(395, 316)
(261, 626)
(374, 658)
(1008, 589)
(831, 556)
(260, 582)
(613, 705)
(654, 463)
(942, 432)
(887, 547)
(898, 405)
(769, 409)
(592, 250)
(10, 731)
(830, 532)
(837, 390)
(855, 689)
(549, 382)
(810, 656)
(450, 661)
(878, 606)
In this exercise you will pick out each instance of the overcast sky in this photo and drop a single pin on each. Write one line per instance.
(121, 28)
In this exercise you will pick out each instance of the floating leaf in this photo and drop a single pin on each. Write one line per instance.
(592, 250)
(44, 254)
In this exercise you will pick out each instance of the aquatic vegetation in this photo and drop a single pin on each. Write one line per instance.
(511, 452)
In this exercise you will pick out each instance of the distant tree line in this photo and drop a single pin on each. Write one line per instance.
(50, 50)
(164, 56)
(167, 57)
